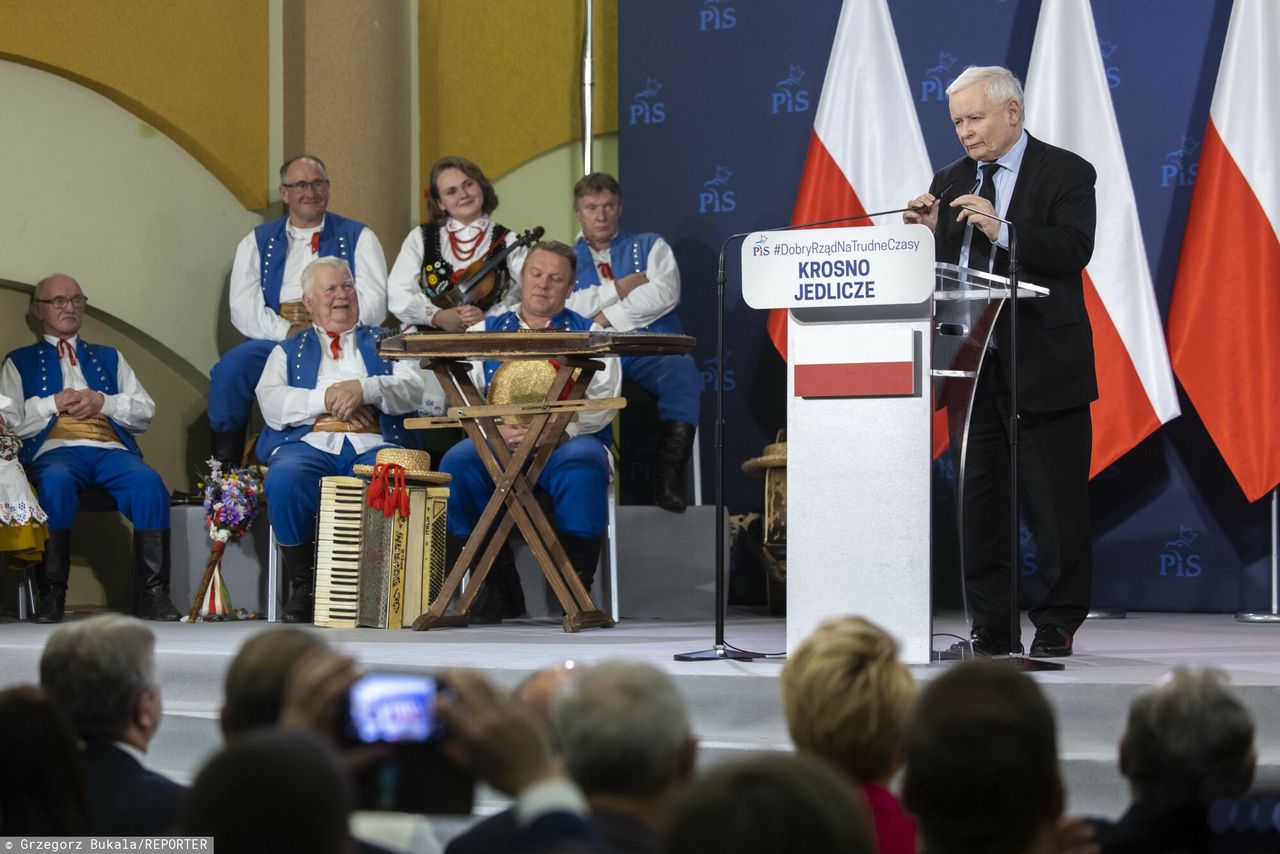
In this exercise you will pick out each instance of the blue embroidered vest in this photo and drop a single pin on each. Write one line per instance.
(628, 253)
(303, 353)
(41, 374)
(567, 320)
(337, 238)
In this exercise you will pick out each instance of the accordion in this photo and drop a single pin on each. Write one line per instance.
(372, 569)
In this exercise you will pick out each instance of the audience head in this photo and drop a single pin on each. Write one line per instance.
(623, 731)
(538, 689)
(846, 697)
(457, 188)
(546, 280)
(255, 682)
(982, 762)
(272, 790)
(102, 672)
(59, 305)
(304, 186)
(774, 804)
(1190, 738)
(597, 203)
(42, 789)
(329, 293)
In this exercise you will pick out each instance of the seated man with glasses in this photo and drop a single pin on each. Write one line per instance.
(77, 408)
(266, 291)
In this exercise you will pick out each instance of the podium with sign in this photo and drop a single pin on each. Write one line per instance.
(877, 333)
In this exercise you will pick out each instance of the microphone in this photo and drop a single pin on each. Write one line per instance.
(996, 217)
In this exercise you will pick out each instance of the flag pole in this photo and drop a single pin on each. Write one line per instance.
(1272, 616)
(588, 81)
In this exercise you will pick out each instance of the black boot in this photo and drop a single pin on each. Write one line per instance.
(503, 574)
(51, 577)
(675, 444)
(151, 572)
(228, 447)
(584, 555)
(501, 597)
(299, 567)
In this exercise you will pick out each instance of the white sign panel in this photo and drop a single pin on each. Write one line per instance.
(828, 267)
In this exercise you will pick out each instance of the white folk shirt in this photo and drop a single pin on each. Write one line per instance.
(651, 300)
(249, 310)
(284, 406)
(132, 408)
(405, 297)
(606, 383)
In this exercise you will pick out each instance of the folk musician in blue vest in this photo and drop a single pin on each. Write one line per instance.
(577, 474)
(630, 282)
(330, 402)
(77, 408)
(266, 294)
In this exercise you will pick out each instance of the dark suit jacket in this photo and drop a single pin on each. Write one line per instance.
(126, 799)
(617, 834)
(1054, 212)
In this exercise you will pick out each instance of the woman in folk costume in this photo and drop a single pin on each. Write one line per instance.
(23, 525)
(458, 233)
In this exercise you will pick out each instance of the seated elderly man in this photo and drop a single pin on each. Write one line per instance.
(330, 402)
(577, 474)
(77, 408)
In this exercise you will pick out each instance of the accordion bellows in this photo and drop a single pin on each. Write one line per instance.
(374, 570)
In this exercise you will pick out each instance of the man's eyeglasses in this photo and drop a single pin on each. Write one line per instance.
(308, 186)
(62, 302)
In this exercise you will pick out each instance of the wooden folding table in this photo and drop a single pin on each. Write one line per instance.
(515, 473)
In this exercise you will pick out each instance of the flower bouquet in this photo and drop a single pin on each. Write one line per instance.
(231, 501)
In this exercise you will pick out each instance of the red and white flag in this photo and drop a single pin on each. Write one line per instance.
(1224, 321)
(866, 152)
(1069, 105)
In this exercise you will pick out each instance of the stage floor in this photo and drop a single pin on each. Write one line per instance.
(735, 705)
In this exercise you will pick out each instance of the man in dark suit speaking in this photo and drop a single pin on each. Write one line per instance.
(1048, 194)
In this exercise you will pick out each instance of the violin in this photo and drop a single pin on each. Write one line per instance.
(478, 284)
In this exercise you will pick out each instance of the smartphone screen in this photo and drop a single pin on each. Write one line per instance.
(393, 708)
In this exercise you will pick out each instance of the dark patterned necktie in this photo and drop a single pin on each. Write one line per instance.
(980, 248)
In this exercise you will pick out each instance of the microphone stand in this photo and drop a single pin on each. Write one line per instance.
(721, 650)
(1018, 659)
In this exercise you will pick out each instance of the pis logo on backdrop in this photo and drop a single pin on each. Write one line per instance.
(645, 107)
(1112, 70)
(933, 86)
(1177, 559)
(717, 15)
(787, 96)
(1180, 164)
(715, 197)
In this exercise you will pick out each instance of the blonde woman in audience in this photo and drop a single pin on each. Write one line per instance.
(846, 696)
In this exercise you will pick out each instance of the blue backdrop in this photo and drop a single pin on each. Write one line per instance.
(716, 106)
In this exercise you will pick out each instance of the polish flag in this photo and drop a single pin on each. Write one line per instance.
(866, 152)
(1069, 105)
(1224, 321)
